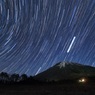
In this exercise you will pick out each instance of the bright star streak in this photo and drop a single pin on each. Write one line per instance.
(38, 71)
(71, 45)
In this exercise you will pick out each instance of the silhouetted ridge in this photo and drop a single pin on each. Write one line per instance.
(66, 70)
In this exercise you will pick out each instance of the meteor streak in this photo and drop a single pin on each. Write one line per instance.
(71, 45)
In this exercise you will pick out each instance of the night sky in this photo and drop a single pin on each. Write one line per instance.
(37, 34)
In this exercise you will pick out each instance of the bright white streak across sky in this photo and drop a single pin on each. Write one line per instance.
(38, 71)
(71, 45)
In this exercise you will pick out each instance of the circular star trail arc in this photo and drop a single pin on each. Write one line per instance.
(36, 34)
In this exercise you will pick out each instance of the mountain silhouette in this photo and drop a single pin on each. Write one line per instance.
(66, 70)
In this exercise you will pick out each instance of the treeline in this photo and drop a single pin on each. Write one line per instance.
(24, 79)
(16, 79)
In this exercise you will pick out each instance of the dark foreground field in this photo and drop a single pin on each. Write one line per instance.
(48, 89)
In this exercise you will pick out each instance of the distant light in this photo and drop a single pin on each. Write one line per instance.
(82, 80)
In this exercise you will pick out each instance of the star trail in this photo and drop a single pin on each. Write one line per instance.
(37, 34)
(71, 45)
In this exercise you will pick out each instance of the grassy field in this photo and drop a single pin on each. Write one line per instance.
(48, 89)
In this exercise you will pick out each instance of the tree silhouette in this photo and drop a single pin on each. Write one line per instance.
(15, 77)
(4, 77)
(24, 77)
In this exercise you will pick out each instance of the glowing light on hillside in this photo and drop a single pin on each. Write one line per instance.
(82, 80)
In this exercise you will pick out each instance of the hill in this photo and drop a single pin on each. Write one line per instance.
(65, 71)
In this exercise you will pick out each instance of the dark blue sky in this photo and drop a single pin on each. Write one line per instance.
(37, 34)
